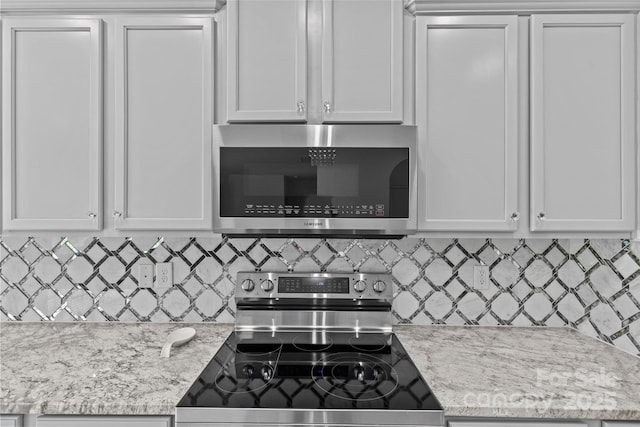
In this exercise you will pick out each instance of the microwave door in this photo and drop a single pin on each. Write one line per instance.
(315, 189)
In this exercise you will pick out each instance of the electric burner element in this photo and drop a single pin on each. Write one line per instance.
(317, 357)
(245, 380)
(368, 343)
(300, 343)
(261, 348)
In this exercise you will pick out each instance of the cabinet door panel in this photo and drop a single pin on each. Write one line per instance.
(466, 112)
(10, 420)
(582, 123)
(52, 124)
(103, 421)
(362, 61)
(266, 60)
(163, 123)
(516, 423)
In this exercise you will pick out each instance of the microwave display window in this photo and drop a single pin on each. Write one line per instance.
(314, 182)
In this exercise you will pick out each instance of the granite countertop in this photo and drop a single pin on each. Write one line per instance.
(115, 368)
(99, 368)
(524, 372)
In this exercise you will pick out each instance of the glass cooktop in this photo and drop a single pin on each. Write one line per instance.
(338, 371)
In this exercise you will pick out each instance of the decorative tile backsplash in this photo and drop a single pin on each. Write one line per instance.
(591, 285)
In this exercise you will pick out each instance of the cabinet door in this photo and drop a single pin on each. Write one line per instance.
(362, 61)
(467, 117)
(516, 423)
(582, 122)
(52, 124)
(164, 120)
(266, 60)
(10, 420)
(103, 421)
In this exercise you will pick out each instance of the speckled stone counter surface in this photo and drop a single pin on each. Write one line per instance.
(99, 368)
(115, 368)
(524, 372)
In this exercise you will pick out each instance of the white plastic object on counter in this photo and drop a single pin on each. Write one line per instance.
(177, 338)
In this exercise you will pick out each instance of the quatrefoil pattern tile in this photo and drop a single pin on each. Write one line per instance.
(591, 285)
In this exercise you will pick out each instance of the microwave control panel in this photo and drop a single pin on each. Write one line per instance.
(371, 210)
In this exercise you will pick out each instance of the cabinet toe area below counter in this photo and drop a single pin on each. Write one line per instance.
(524, 372)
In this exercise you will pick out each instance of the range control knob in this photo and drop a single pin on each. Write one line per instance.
(378, 373)
(248, 371)
(266, 285)
(247, 285)
(267, 372)
(379, 286)
(360, 286)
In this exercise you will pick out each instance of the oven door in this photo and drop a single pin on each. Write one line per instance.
(215, 417)
(260, 424)
(322, 179)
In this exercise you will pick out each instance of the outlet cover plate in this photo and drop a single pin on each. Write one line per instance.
(145, 275)
(481, 277)
(164, 275)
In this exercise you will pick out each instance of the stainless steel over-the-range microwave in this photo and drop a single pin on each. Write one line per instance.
(314, 179)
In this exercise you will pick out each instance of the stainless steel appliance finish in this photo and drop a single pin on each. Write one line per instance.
(331, 212)
(357, 290)
(340, 366)
(269, 417)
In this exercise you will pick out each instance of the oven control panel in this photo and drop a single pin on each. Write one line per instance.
(314, 285)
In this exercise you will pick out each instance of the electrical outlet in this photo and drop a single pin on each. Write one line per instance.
(145, 275)
(481, 277)
(164, 275)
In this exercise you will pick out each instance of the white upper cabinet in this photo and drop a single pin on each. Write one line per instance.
(356, 44)
(582, 122)
(267, 60)
(11, 421)
(164, 98)
(467, 117)
(515, 422)
(102, 421)
(52, 124)
(362, 61)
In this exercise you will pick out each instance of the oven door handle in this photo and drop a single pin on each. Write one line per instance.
(312, 304)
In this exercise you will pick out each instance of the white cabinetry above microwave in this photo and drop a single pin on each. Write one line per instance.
(338, 59)
(267, 60)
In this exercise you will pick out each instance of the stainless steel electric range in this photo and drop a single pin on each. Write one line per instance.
(311, 349)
